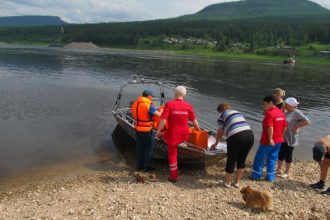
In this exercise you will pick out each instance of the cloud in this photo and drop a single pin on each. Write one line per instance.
(93, 11)
(78, 11)
(324, 3)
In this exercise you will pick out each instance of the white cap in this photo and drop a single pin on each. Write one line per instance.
(291, 101)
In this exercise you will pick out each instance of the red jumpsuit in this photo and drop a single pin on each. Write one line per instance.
(177, 113)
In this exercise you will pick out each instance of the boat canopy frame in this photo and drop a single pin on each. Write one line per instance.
(135, 80)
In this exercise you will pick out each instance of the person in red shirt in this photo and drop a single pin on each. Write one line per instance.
(273, 127)
(176, 115)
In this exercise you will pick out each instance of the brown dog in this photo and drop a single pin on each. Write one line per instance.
(256, 199)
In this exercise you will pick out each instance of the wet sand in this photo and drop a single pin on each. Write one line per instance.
(108, 189)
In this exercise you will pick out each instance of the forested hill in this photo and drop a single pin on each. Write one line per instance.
(275, 22)
(30, 20)
(260, 9)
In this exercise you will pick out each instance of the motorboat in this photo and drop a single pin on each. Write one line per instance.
(188, 153)
(290, 61)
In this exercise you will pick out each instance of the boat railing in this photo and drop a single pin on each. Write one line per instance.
(192, 147)
(126, 113)
(195, 148)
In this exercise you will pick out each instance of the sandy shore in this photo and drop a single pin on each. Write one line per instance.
(81, 45)
(112, 192)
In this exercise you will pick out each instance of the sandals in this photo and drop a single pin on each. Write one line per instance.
(228, 185)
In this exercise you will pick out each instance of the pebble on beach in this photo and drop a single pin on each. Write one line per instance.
(113, 194)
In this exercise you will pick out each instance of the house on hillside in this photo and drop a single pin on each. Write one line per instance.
(286, 47)
(325, 52)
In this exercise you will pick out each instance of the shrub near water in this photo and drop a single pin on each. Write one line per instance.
(277, 52)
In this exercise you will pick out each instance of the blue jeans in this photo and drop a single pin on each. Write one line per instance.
(271, 154)
(144, 150)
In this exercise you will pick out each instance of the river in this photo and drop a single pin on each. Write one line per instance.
(55, 104)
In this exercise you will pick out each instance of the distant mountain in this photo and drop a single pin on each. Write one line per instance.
(259, 9)
(31, 20)
(256, 23)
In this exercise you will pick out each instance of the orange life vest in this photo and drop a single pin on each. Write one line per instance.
(157, 119)
(140, 113)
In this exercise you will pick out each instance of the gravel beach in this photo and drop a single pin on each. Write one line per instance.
(112, 192)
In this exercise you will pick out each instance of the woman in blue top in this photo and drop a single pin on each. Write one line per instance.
(240, 139)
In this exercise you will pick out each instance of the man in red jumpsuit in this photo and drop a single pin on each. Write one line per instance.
(176, 114)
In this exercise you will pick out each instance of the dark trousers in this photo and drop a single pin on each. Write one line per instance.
(285, 153)
(238, 148)
(144, 150)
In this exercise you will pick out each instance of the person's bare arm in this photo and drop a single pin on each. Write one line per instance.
(300, 125)
(270, 132)
(195, 123)
(160, 128)
(158, 113)
(218, 137)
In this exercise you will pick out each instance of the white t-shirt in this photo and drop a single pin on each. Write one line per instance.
(293, 118)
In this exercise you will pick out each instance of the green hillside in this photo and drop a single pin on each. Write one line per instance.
(260, 9)
(266, 27)
(30, 20)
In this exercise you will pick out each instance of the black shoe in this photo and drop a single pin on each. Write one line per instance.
(171, 180)
(149, 169)
(326, 192)
(317, 185)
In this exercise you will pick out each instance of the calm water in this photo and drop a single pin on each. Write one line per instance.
(55, 104)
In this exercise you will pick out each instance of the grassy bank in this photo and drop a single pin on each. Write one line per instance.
(308, 54)
(250, 56)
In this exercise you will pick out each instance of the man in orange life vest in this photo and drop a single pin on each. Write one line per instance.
(142, 112)
(176, 114)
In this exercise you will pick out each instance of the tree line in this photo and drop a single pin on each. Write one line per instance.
(256, 32)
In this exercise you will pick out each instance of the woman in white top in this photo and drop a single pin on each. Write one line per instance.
(296, 120)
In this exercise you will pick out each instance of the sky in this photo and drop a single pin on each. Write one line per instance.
(95, 11)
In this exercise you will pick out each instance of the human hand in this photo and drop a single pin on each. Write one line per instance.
(295, 130)
(158, 134)
(213, 146)
(271, 143)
